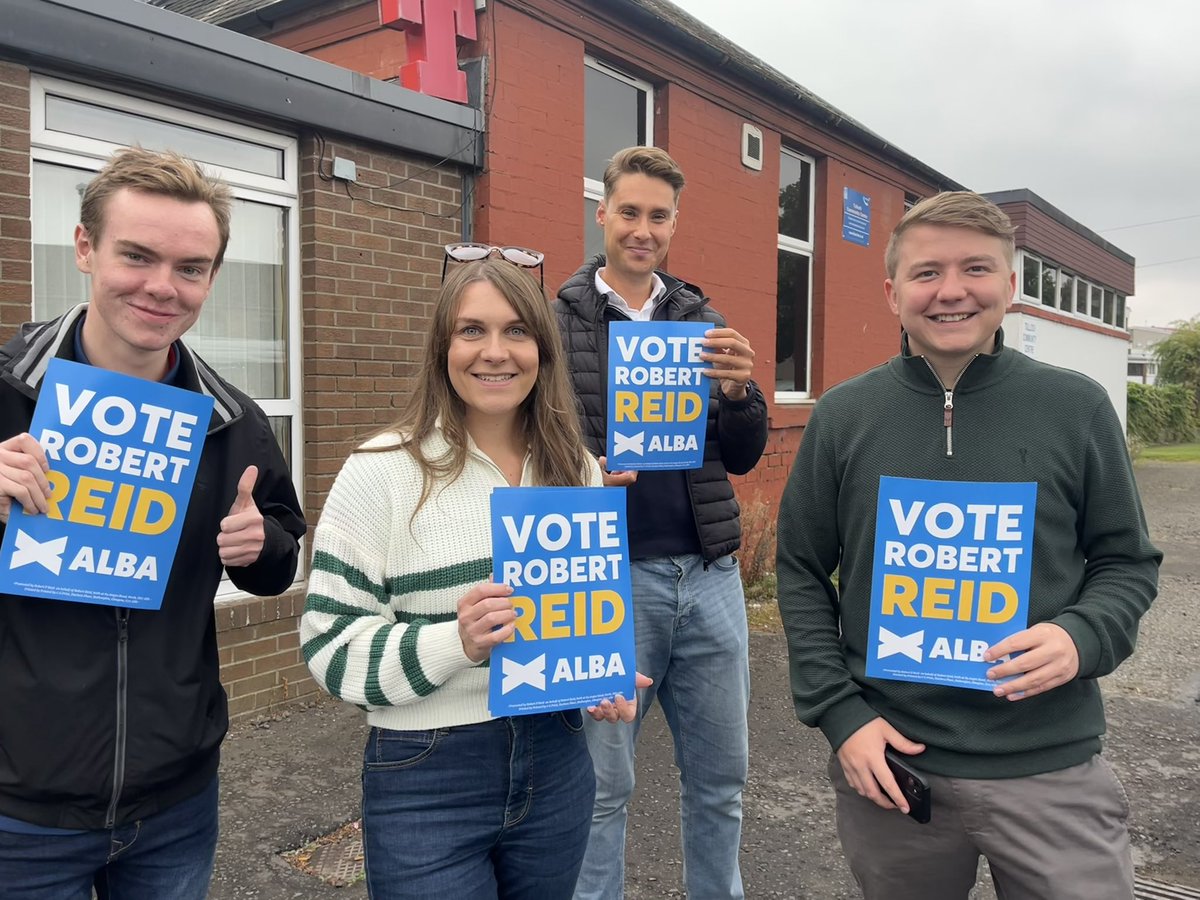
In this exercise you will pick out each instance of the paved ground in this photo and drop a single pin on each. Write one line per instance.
(287, 781)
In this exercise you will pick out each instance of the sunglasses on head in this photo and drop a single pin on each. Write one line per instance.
(518, 256)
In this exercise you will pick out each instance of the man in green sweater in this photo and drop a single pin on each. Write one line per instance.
(1014, 768)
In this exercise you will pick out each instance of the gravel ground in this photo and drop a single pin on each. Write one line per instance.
(289, 780)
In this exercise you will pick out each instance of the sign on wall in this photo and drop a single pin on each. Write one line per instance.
(431, 31)
(856, 217)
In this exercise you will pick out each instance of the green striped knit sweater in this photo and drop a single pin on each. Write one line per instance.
(380, 624)
(1095, 571)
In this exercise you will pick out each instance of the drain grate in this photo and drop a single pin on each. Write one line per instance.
(338, 864)
(1145, 889)
(335, 858)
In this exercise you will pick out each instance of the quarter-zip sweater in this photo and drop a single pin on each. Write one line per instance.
(109, 715)
(380, 626)
(1094, 570)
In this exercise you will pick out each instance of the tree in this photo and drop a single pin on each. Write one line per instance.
(1179, 356)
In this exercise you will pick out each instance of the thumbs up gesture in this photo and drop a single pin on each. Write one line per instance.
(242, 534)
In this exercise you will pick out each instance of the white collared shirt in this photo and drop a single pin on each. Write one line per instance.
(615, 300)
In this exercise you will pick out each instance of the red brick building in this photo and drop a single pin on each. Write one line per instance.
(562, 85)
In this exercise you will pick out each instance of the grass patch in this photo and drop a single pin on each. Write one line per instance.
(762, 612)
(1171, 453)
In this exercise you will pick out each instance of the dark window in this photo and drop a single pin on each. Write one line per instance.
(791, 325)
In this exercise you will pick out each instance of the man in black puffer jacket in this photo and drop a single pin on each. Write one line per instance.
(689, 610)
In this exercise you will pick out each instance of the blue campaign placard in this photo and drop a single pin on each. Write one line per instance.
(657, 396)
(564, 551)
(856, 217)
(123, 454)
(951, 578)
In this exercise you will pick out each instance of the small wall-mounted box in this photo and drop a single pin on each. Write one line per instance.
(345, 169)
(752, 147)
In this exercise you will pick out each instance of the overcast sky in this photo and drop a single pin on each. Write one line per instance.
(1093, 105)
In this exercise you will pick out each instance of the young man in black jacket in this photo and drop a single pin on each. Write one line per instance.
(689, 610)
(112, 718)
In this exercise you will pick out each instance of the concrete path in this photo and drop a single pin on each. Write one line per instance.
(288, 780)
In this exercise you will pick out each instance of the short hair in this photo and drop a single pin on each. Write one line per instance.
(953, 209)
(652, 162)
(164, 173)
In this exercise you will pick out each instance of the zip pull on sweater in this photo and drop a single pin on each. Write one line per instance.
(948, 404)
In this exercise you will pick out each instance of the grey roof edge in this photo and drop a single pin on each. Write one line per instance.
(671, 23)
(1024, 195)
(137, 43)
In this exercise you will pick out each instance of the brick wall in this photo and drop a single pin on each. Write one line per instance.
(531, 192)
(370, 268)
(16, 288)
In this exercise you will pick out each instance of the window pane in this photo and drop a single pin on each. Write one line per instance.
(127, 129)
(54, 213)
(791, 325)
(1066, 293)
(242, 331)
(1120, 314)
(1110, 307)
(1097, 311)
(593, 234)
(1049, 285)
(614, 118)
(1031, 285)
(1081, 296)
(795, 192)
(282, 427)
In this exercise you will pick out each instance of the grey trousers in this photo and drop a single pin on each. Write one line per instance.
(1057, 836)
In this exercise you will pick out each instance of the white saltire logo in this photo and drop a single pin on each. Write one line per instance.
(30, 550)
(907, 645)
(628, 444)
(532, 673)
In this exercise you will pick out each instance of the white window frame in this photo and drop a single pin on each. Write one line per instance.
(1081, 307)
(790, 244)
(75, 151)
(593, 189)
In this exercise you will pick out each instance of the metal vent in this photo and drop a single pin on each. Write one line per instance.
(1145, 889)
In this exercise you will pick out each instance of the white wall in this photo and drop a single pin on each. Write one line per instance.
(1096, 355)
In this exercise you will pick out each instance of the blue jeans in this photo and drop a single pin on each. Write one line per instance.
(496, 809)
(690, 624)
(166, 856)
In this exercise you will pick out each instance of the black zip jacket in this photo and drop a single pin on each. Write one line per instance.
(736, 432)
(109, 715)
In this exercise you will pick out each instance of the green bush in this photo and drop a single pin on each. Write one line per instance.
(1161, 414)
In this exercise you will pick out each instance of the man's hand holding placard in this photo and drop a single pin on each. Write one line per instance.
(23, 469)
(732, 361)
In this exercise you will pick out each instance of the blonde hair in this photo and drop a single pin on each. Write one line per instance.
(549, 417)
(649, 161)
(953, 209)
(164, 173)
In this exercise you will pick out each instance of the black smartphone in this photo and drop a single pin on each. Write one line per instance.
(913, 785)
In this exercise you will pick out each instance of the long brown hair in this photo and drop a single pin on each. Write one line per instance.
(548, 415)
